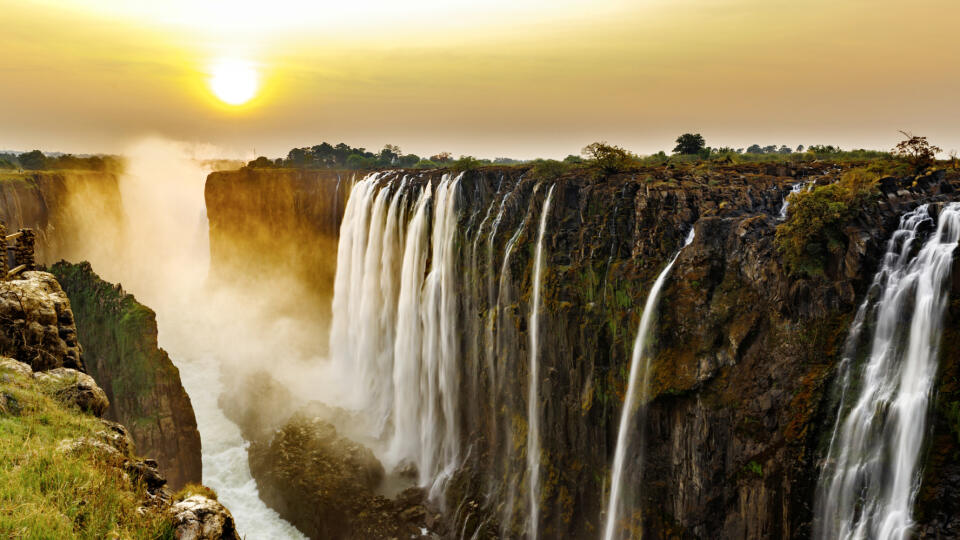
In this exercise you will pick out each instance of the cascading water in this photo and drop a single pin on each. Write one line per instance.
(407, 330)
(871, 475)
(796, 188)
(640, 353)
(533, 413)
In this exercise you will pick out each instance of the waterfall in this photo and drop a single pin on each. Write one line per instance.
(872, 472)
(533, 414)
(796, 188)
(395, 339)
(640, 353)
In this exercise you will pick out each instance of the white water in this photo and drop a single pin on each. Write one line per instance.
(394, 319)
(640, 354)
(871, 475)
(796, 188)
(533, 412)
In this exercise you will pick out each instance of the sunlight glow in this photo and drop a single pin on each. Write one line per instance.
(234, 82)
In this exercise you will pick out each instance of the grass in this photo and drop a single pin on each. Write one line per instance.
(48, 493)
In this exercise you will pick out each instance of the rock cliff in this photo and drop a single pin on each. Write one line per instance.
(121, 351)
(744, 353)
(67, 209)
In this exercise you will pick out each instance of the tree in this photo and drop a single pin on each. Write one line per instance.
(799, 148)
(915, 150)
(609, 158)
(298, 157)
(442, 157)
(690, 143)
(408, 160)
(260, 163)
(34, 160)
(784, 149)
(754, 149)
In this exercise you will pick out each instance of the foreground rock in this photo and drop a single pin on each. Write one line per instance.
(200, 518)
(37, 324)
(77, 388)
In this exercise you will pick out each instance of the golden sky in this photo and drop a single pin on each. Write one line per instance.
(518, 78)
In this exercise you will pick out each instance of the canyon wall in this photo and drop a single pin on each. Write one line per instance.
(273, 232)
(77, 215)
(119, 336)
(744, 353)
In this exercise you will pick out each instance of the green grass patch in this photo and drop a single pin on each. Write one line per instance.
(46, 492)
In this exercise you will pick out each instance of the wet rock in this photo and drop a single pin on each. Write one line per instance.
(201, 518)
(76, 388)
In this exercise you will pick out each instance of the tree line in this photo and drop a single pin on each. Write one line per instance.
(35, 160)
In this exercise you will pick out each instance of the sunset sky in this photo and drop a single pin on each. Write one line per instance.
(518, 78)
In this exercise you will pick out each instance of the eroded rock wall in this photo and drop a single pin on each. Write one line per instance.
(120, 345)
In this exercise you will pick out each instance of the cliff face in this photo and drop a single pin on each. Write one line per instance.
(120, 345)
(743, 354)
(274, 233)
(67, 209)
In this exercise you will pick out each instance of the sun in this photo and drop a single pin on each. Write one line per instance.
(234, 82)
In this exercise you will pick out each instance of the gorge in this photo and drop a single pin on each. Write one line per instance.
(494, 353)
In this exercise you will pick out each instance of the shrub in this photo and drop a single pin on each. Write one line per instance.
(192, 489)
(549, 169)
(815, 220)
(466, 163)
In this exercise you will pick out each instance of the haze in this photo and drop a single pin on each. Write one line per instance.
(519, 78)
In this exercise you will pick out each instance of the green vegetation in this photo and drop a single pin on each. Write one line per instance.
(116, 331)
(192, 489)
(690, 144)
(49, 492)
(36, 160)
(755, 468)
(815, 220)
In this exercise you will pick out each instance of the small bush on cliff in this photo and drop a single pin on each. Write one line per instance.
(549, 169)
(815, 220)
(609, 159)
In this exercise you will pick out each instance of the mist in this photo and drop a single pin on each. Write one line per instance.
(220, 333)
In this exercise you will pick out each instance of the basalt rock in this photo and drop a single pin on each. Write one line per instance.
(326, 485)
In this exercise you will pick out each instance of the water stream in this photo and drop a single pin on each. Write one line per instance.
(639, 372)
(872, 472)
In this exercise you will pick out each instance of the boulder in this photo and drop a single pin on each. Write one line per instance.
(202, 518)
(76, 388)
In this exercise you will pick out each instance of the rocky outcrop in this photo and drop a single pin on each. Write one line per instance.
(120, 345)
(77, 389)
(97, 487)
(200, 518)
(37, 324)
(326, 485)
